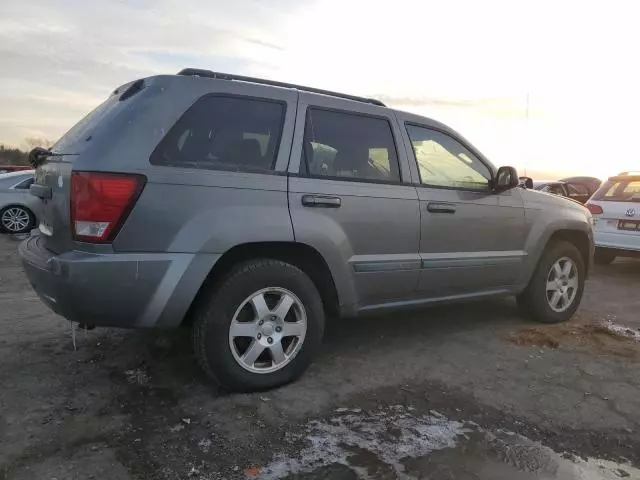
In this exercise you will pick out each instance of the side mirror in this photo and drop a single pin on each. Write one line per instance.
(506, 178)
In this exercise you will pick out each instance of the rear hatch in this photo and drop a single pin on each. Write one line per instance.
(53, 175)
(616, 206)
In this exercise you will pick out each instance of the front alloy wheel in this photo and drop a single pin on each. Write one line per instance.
(16, 219)
(562, 284)
(556, 286)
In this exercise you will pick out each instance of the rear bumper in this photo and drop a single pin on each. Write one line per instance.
(617, 241)
(117, 289)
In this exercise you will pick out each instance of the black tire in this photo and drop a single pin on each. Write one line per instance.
(213, 317)
(533, 301)
(27, 228)
(603, 256)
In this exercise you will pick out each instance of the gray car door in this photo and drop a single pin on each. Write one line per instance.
(349, 200)
(472, 240)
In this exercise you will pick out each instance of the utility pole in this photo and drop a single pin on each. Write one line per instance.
(526, 117)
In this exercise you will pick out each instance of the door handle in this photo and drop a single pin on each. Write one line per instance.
(41, 191)
(439, 207)
(321, 201)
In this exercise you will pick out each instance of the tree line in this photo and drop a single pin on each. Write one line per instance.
(17, 156)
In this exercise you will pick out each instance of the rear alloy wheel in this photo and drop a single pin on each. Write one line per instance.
(265, 339)
(260, 328)
(16, 219)
(603, 256)
(555, 289)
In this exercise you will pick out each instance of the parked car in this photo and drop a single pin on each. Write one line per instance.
(251, 209)
(18, 209)
(591, 184)
(13, 168)
(616, 211)
(574, 191)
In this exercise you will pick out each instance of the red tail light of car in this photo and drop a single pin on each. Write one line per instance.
(594, 208)
(101, 202)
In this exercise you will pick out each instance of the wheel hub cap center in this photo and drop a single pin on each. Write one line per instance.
(268, 328)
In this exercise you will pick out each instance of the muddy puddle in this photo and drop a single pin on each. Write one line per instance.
(398, 442)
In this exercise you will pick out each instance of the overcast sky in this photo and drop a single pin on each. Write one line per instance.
(469, 63)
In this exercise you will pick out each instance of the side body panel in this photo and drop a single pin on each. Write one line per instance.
(370, 241)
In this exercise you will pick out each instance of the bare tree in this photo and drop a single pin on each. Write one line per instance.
(32, 142)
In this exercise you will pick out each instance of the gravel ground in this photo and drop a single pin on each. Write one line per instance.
(462, 392)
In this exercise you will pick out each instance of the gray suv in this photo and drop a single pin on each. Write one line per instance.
(250, 210)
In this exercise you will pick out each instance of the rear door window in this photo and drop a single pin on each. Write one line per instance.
(224, 133)
(349, 146)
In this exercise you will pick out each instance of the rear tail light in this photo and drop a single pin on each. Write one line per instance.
(594, 208)
(100, 203)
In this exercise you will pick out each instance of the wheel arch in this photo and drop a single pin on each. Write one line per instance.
(578, 238)
(301, 255)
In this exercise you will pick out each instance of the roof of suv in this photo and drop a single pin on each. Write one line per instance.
(210, 74)
(228, 76)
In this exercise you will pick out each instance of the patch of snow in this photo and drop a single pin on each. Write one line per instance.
(205, 445)
(177, 428)
(621, 330)
(389, 434)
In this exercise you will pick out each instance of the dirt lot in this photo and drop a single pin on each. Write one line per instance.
(464, 392)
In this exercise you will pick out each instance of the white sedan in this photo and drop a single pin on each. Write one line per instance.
(615, 207)
(18, 208)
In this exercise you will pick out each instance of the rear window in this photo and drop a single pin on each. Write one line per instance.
(619, 191)
(224, 133)
(80, 133)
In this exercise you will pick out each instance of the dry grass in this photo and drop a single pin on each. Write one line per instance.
(580, 334)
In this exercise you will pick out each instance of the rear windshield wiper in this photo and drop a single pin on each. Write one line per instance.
(38, 155)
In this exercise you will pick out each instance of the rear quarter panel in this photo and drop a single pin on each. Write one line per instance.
(196, 214)
(190, 210)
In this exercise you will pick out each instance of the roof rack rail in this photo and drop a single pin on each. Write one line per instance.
(228, 76)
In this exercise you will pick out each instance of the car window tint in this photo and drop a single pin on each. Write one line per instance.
(227, 133)
(445, 162)
(350, 146)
